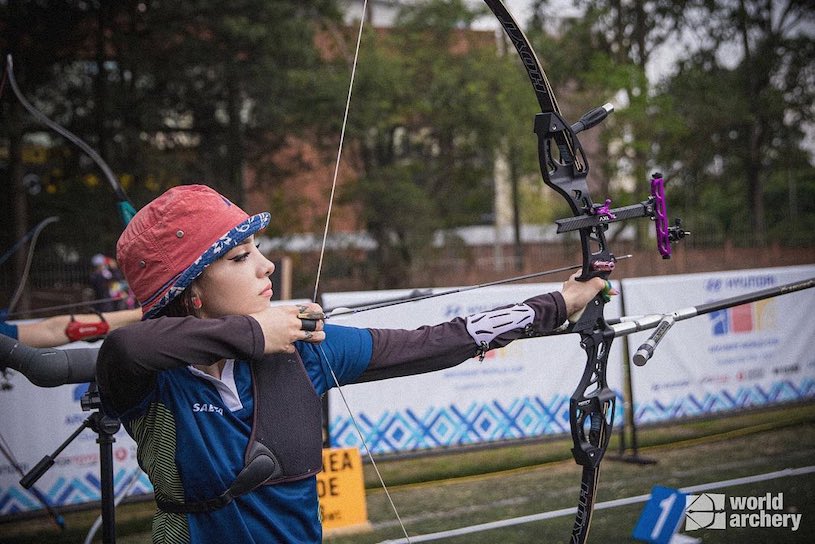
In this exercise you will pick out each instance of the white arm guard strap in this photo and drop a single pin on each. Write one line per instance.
(484, 327)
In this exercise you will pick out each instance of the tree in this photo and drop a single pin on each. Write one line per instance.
(725, 127)
(735, 123)
(169, 92)
(37, 36)
(226, 82)
(431, 109)
(605, 52)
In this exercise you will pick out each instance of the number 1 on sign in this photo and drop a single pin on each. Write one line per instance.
(665, 506)
(660, 516)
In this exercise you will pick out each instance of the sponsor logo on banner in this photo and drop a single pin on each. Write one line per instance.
(747, 318)
(670, 385)
(742, 319)
(456, 309)
(75, 419)
(710, 511)
(715, 379)
(78, 460)
(750, 374)
(10, 469)
(715, 285)
(751, 282)
(786, 369)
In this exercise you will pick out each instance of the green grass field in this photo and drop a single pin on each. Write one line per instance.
(454, 490)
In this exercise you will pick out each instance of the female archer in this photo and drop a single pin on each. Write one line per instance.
(221, 392)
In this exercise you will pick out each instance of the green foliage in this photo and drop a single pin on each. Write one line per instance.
(167, 92)
(432, 105)
(790, 199)
(732, 133)
(184, 92)
(726, 126)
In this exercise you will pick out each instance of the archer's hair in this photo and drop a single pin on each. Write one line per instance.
(180, 306)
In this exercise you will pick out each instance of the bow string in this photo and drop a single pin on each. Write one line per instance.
(320, 351)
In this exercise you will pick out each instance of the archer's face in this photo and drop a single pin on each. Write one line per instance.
(236, 284)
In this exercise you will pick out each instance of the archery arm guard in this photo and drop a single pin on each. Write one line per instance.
(89, 332)
(484, 327)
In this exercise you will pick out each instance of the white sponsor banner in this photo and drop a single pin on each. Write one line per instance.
(34, 422)
(747, 356)
(519, 391)
(750, 355)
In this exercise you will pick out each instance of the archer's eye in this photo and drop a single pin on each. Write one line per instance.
(239, 258)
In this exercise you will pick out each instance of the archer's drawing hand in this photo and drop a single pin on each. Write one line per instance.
(579, 293)
(282, 327)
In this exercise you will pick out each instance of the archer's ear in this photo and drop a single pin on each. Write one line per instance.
(195, 289)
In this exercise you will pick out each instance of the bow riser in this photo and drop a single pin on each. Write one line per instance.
(566, 174)
(593, 402)
(591, 419)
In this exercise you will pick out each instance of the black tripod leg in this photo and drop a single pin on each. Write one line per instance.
(106, 428)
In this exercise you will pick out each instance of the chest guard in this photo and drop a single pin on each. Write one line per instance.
(286, 440)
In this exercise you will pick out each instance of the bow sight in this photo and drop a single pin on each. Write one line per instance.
(549, 126)
(654, 207)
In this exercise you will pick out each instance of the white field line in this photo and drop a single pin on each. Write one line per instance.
(785, 473)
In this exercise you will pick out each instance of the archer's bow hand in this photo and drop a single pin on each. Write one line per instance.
(577, 294)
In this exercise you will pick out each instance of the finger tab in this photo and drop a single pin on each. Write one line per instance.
(308, 324)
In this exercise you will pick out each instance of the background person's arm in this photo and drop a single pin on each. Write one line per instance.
(50, 332)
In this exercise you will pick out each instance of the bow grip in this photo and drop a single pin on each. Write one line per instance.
(590, 441)
(599, 267)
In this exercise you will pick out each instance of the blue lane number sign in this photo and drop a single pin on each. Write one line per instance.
(661, 517)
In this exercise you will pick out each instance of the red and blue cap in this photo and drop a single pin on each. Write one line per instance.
(175, 237)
